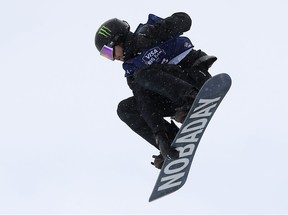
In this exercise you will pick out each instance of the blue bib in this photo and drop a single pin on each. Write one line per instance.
(169, 52)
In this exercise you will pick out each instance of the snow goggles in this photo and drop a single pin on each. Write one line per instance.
(107, 52)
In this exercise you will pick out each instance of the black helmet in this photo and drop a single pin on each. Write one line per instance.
(112, 32)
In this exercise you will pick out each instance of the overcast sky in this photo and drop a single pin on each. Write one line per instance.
(63, 149)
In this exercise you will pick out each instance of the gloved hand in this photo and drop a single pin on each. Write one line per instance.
(158, 161)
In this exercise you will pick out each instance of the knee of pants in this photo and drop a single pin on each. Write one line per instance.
(126, 108)
(121, 110)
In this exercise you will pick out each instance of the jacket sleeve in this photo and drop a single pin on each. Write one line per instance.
(175, 25)
(168, 28)
(131, 83)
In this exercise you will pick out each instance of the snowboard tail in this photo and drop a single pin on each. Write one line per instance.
(174, 173)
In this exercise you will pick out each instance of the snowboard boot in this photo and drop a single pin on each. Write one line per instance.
(181, 112)
(163, 142)
(158, 161)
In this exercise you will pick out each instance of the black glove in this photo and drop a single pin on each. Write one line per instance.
(158, 161)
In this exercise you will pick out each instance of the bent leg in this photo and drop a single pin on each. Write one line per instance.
(165, 80)
(128, 113)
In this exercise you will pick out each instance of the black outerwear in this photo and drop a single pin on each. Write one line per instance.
(159, 89)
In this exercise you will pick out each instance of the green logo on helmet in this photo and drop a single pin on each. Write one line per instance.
(106, 32)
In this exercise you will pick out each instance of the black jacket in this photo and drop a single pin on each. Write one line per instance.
(147, 37)
(151, 35)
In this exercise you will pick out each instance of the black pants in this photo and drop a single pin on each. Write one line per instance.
(159, 91)
(128, 112)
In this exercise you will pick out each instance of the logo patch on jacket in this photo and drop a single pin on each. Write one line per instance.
(153, 55)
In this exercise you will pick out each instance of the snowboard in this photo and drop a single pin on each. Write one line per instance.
(174, 172)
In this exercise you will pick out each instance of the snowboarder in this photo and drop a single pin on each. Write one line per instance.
(164, 72)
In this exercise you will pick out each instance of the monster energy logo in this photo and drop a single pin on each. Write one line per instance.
(106, 32)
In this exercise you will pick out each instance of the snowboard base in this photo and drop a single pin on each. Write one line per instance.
(174, 172)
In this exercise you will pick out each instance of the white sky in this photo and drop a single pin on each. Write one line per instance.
(63, 149)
